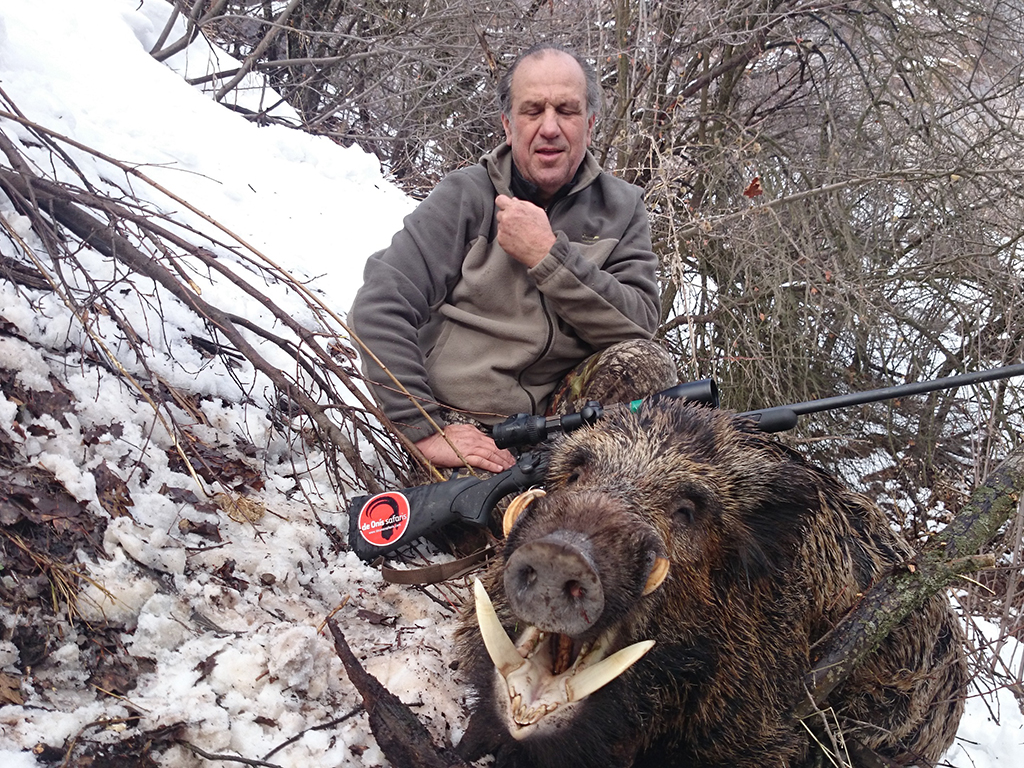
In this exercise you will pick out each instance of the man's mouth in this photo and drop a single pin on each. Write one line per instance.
(549, 152)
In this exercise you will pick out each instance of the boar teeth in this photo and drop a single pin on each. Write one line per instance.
(657, 575)
(587, 681)
(563, 654)
(516, 507)
(501, 650)
(533, 716)
(534, 689)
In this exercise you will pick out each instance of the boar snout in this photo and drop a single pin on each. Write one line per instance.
(553, 584)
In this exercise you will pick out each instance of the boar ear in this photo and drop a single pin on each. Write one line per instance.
(516, 507)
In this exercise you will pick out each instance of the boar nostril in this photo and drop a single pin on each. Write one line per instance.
(553, 584)
(527, 576)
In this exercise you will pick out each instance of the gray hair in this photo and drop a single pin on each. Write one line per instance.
(589, 74)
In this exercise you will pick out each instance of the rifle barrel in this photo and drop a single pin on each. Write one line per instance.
(875, 395)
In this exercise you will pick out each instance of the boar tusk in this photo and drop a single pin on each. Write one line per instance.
(499, 647)
(592, 678)
(516, 507)
(657, 575)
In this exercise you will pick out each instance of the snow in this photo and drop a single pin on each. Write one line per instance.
(245, 670)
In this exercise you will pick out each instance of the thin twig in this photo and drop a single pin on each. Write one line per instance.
(323, 726)
(258, 51)
(229, 758)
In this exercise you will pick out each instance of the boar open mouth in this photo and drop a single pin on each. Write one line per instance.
(547, 671)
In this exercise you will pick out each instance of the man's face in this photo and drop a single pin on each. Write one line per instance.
(548, 128)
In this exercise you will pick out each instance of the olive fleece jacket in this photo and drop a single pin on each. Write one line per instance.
(461, 324)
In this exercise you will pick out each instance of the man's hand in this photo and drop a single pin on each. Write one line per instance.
(479, 450)
(524, 232)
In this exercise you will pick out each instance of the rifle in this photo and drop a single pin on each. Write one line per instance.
(380, 524)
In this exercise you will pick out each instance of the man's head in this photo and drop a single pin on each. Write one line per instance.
(549, 100)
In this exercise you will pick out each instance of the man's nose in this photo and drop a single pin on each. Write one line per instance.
(549, 125)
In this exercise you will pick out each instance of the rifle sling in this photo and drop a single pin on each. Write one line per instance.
(432, 574)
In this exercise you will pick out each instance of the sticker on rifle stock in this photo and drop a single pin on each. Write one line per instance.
(384, 518)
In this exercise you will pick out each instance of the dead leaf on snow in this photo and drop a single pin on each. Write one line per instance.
(112, 491)
(47, 502)
(10, 689)
(202, 528)
(240, 508)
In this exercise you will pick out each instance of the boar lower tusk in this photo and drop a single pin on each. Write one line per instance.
(516, 507)
(657, 575)
(499, 647)
(592, 678)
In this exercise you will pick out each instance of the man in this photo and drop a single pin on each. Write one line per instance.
(509, 274)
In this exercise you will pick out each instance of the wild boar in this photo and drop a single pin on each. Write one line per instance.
(704, 559)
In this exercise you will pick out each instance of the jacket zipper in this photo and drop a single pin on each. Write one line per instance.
(550, 336)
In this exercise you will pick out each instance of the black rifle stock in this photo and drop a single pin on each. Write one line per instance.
(380, 524)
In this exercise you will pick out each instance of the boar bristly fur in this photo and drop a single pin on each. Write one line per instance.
(765, 554)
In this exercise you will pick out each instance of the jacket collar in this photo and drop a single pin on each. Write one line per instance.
(508, 181)
(527, 190)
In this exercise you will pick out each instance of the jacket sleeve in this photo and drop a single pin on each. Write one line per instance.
(610, 299)
(402, 284)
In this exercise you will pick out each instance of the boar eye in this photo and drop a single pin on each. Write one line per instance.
(685, 511)
(575, 467)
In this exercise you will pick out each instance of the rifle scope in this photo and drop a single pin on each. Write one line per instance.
(526, 429)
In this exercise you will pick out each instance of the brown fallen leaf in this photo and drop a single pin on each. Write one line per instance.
(10, 689)
(112, 491)
(240, 508)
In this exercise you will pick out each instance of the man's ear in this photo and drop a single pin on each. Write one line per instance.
(507, 125)
(590, 127)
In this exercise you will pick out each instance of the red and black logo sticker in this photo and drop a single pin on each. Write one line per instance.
(384, 518)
